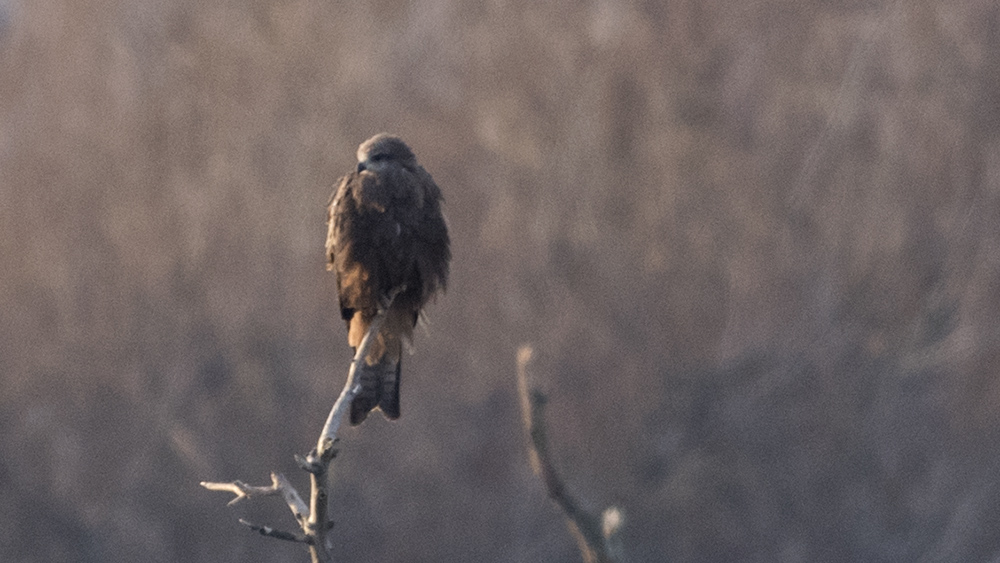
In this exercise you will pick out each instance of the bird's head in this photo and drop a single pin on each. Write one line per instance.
(382, 151)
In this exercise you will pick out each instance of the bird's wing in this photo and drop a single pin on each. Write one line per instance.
(430, 237)
(335, 220)
(341, 213)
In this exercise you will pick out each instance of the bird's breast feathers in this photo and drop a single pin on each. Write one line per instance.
(394, 188)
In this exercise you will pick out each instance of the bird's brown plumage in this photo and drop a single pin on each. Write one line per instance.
(385, 233)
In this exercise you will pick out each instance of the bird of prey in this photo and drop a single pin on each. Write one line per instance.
(386, 235)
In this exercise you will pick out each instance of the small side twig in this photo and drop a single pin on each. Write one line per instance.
(279, 486)
(277, 534)
(240, 489)
(597, 536)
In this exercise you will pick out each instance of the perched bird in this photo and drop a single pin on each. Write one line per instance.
(385, 234)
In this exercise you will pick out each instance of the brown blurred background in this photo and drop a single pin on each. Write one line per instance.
(755, 245)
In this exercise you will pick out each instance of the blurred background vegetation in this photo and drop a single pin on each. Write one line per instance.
(755, 245)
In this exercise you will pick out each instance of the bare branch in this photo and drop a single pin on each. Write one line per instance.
(312, 518)
(318, 460)
(279, 534)
(597, 537)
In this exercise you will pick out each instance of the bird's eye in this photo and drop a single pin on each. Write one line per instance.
(377, 157)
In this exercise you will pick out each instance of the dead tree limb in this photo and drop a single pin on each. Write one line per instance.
(597, 536)
(312, 519)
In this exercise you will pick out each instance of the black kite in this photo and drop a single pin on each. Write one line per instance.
(386, 233)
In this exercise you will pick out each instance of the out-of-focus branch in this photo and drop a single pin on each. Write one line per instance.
(597, 536)
(312, 519)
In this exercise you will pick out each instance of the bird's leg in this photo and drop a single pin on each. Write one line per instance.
(386, 300)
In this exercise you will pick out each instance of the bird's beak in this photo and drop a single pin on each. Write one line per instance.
(361, 167)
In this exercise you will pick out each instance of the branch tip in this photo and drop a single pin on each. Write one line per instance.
(524, 354)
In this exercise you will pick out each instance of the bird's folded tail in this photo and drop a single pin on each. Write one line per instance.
(379, 388)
